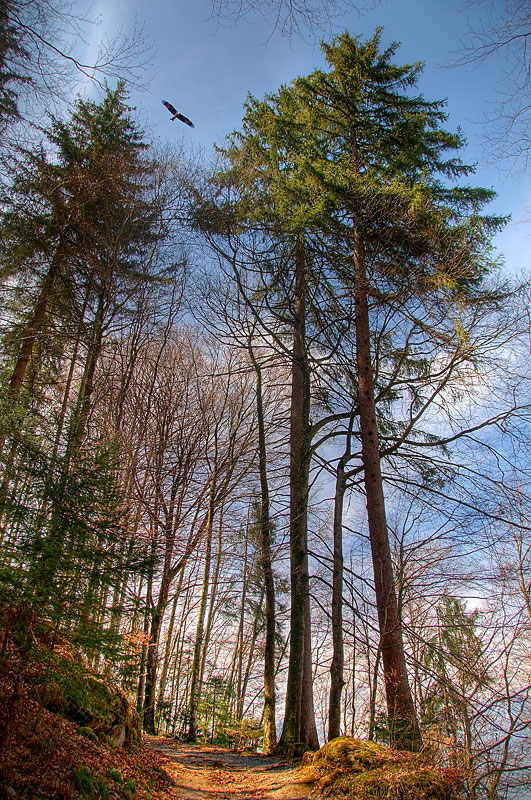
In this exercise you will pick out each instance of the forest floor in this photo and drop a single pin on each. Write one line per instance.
(202, 772)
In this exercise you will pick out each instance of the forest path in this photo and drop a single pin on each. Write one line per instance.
(201, 772)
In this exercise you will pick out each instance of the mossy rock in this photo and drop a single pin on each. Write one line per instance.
(417, 783)
(88, 733)
(347, 767)
(67, 687)
(348, 753)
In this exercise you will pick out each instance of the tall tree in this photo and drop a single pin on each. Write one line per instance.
(380, 158)
(80, 233)
(277, 274)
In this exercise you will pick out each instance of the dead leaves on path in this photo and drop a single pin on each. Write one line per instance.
(217, 774)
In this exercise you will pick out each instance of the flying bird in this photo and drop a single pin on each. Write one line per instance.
(177, 114)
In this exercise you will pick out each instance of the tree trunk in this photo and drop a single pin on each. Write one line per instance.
(212, 602)
(299, 693)
(195, 681)
(338, 656)
(241, 630)
(269, 721)
(403, 724)
(158, 616)
(33, 326)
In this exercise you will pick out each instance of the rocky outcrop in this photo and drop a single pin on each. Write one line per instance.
(69, 688)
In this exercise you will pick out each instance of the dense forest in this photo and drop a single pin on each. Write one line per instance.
(265, 420)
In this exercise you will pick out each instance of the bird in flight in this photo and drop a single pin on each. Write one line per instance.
(177, 114)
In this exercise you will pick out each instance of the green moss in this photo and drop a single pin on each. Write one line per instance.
(395, 782)
(83, 697)
(294, 750)
(348, 753)
(357, 770)
(88, 733)
(67, 687)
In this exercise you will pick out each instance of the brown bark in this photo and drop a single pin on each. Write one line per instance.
(269, 721)
(299, 693)
(33, 326)
(404, 729)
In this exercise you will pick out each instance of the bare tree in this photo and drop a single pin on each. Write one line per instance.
(504, 29)
(289, 17)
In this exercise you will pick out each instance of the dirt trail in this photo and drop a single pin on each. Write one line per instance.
(200, 772)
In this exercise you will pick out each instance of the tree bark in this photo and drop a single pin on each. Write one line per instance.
(403, 724)
(338, 656)
(269, 720)
(195, 681)
(34, 325)
(299, 693)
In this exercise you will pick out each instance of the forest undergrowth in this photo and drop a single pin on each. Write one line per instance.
(57, 722)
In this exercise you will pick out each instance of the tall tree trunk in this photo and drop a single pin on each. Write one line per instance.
(299, 692)
(338, 656)
(158, 616)
(250, 654)
(212, 602)
(403, 724)
(269, 717)
(195, 679)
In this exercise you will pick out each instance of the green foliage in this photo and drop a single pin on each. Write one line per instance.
(84, 781)
(11, 78)
(80, 695)
(454, 656)
(357, 145)
(244, 734)
(214, 712)
(89, 785)
(76, 223)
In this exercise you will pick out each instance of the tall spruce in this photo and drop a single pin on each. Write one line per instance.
(277, 271)
(356, 172)
(380, 157)
(79, 236)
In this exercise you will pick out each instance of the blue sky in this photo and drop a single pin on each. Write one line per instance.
(207, 71)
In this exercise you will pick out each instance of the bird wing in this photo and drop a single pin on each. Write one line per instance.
(177, 114)
(170, 108)
(185, 120)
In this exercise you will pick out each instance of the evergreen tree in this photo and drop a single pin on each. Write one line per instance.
(380, 158)
(279, 273)
(80, 234)
(358, 173)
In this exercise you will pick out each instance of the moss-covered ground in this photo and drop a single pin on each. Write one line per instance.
(358, 770)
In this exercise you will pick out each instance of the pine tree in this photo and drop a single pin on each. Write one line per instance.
(356, 171)
(80, 233)
(380, 157)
